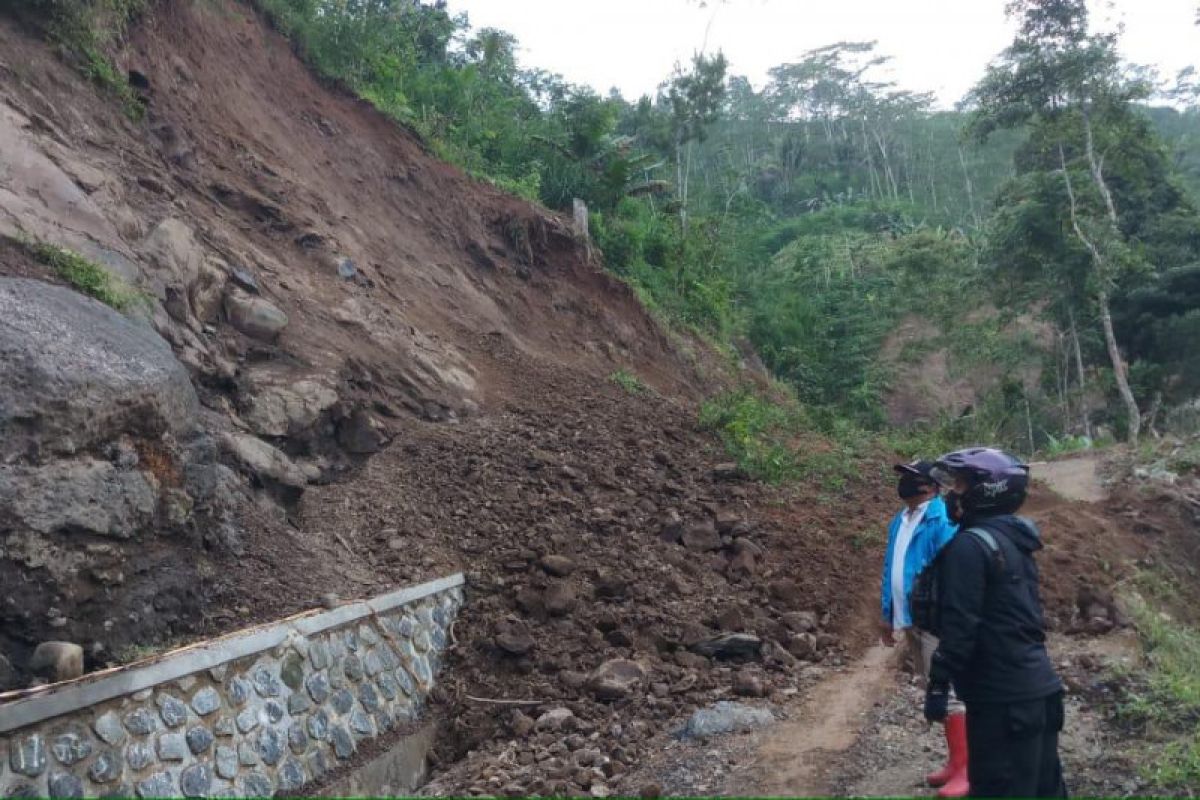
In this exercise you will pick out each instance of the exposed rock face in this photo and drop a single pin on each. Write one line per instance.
(100, 436)
(73, 372)
(85, 495)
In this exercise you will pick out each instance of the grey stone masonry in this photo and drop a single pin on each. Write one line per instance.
(261, 711)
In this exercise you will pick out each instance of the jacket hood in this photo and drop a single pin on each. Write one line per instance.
(1020, 530)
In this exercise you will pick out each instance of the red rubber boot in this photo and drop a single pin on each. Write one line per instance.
(956, 783)
(940, 778)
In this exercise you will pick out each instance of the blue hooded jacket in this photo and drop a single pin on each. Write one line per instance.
(932, 534)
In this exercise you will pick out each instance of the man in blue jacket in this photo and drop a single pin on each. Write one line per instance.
(915, 537)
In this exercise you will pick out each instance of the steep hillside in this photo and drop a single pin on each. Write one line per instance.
(321, 277)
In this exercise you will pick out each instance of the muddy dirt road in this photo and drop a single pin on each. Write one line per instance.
(857, 730)
(797, 757)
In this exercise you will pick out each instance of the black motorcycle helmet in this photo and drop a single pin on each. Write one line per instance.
(997, 482)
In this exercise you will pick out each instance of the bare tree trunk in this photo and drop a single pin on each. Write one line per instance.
(1062, 375)
(1083, 409)
(1120, 372)
(887, 164)
(1098, 171)
(962, 160)
(1029, 426)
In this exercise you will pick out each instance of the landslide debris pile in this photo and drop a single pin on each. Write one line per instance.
(620, 575)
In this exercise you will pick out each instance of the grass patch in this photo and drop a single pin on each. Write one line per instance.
(86, 276)
(631, 383)
(754, 431)
(1166, 699)
(778, 441)
(1059, 446)
(85, 30)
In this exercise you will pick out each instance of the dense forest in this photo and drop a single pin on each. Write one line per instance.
(1042, 239)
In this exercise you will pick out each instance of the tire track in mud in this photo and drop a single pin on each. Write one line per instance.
(796, 758)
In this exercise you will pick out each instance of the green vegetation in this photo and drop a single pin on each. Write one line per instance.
(1167, 701)
(629, 382)
(814, 215)
(87, 276)
(86, 30)
(773, 439)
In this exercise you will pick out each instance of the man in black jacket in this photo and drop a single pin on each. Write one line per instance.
(988, 616)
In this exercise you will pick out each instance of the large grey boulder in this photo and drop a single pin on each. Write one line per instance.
(75, 373)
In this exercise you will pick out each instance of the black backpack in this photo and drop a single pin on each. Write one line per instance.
(923, 601)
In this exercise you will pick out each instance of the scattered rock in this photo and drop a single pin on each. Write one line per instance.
(701, 536)
(521, 724)
(267, 463)
(254, 316)
(514, 642)
(670, 527)
(556, 719)
(244, 279)
(346, 268)
(748, 684)
(800, 621)
(559, 566)
(786, 592)
(726, 717)
(803, 646)
(57, 661)
(616, 679)
(729, 646)
(559, 598)
(726, 521)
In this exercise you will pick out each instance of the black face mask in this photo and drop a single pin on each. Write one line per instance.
(911, 486)
(953, 506)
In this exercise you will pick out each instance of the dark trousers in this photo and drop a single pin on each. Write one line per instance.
(1013, 748)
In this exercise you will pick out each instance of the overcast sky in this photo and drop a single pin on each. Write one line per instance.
(937, 45)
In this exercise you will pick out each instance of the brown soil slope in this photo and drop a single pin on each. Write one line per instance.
(248, 172)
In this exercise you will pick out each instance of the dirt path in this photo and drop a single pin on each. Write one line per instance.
(795, 758)
(1074, 478)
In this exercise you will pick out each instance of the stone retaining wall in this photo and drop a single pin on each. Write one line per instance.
(258, 712)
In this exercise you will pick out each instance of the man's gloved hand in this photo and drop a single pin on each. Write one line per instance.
(937, 701)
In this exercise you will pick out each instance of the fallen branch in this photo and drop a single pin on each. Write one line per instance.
(503, 702)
